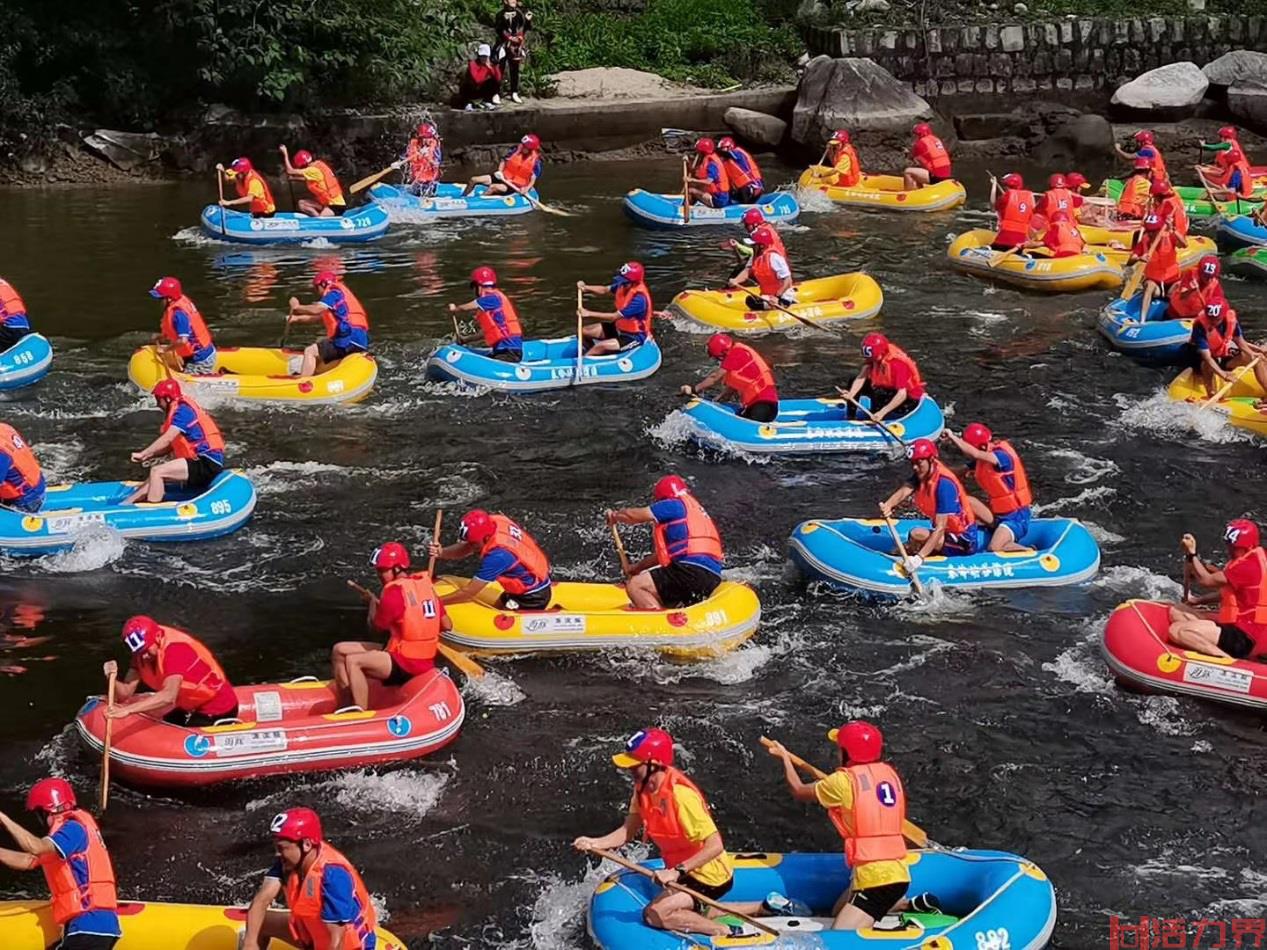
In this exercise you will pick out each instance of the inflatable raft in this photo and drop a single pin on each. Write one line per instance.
(1247, 262)
(263, 375)
(1155, 339)
(1196, 200)
(821, 300)
(1142, 658)
(449, 202)
(1032, 270)
(28, 925)
(71, 510)
(367, 223)
(1239, 231)
(600, 617)
(546, 364)
(991, 900)
(26, 362)
(1237, 405)
(282, 728)
(665, 211)
(884, 192)
(809, 425)
(853, 554)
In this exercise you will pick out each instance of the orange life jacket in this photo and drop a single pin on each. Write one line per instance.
(416, 635)
(260, 204)
(510, 537)
(1232, 160)
(1004, 500)
(1163, 265)
(701, 535)
(1133, 201)
(1015, 213)
(722, 185)
(763, 273)
(848, 168)
(202, 336)
(1188, 298)
(926, 500)
(752, 378)
(872, 826)
(1172, 209)
(661, 821)
(1245, 604)
(325, 186)
(1057, 199)
(192, 695)
(932, 155)
(424, 160)
(776, 242)
(10, 301)
(494, 332)
(633, 325)
(357, 318)
(1220, 336)
(303, 897)
(69, 899)
(518, 167)
(1063, 240)
(880, 372)
(735, 171)
(1159, 164)
(182, 448)
(23, 459)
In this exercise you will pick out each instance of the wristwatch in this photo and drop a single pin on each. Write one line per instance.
(680, 868)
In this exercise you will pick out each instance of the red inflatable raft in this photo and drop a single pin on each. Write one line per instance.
(1142, 658)
(284, 727)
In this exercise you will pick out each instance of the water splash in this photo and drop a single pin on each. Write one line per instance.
(1103, 535)
(95, 547)
(493, 689)
(401, 792)
(678, 428)
(1084, 496)
(1138, 582)
(1087, 469)
(1163, 415)
(813, 201)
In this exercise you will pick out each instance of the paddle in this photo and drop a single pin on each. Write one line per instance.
(794, 315)
(1004, 256)
(1227, 387)
(105, 750)
(620, 551)
(686, 190)
(871, 418)
(435, 539)
(820, 166)
(580, 338)
(290, 185)
(370, 179)
(695, 895)
(906, 558)
(533, 201)
(220, 189)
(915, 836)
(1137, 275)
(456, 657)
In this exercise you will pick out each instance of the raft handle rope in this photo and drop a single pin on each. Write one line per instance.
(348, 709)
(1164, 644)
(303, 679)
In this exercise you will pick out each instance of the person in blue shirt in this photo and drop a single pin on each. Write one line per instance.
(630, 324)
(347, 324)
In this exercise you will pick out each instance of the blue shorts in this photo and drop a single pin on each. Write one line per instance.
(31, 502)
(972, 541)
(721, 200)
(203, 367)
(1234, 180)
(1017, 522)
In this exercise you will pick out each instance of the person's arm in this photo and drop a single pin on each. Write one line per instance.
(898, 398)
(32, 845)
(1202, 573)
(742, 278)
(712, 379)
(256, 914)
(125, 687)
(974, 453)
(630, 516)
(468, 593)
(306, 312)
(18, 860)
(801, 791)
(893, 501)
(159, 446)
(452, 552)
(600, 290)
(163, 699)
(233, 202)
(613, 839)
(291, 170)
(1123, 153)
(711, 848)
(935, 539)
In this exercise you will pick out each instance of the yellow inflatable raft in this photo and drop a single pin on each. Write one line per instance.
(884, 192)
(1116, 245)
(822, 300)
(28, 925)
(1032, 270)
(600, 617)
(263, 375)
(1237, 405)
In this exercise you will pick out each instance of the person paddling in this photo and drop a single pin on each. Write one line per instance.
(1132, 203)
(932, 161)
(707, 182)
(1196, 287)
(327, 199)
(889, 380)
(424, 157)
(251, 187)
(508, 556)
(1014, 205)
(770, 270)
(188, 341)
(498, 319)
(22, 484)
(190, 434)
(15, 323)
(1230, 177)
(517, 172)
(1239, 629)
(1146, 147)
(1219, 348)
(630, 324)
(1157, 248)
(347, 325)
(1002, 477)
(744, 175)
(742, 370)
(745, 250)
(941, 498)
(1061, 238)
(842, 159)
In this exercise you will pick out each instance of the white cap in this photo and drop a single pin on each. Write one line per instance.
(484, 50)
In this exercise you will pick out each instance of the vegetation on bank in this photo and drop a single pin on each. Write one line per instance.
(908, 13)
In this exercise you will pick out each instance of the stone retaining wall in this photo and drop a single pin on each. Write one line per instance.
(1081, 54)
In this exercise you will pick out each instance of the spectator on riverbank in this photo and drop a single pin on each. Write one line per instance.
(480, 82)
(512, 25)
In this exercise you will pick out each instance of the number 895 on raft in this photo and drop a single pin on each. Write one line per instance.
(221, 507)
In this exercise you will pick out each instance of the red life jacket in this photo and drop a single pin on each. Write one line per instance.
(262, 203)
(848, 168)
(1015, 208)
(1219, 336)
(201, 335)
(768, 281)
(416, 635)
(510, 537)
(23, 461)
(424, 160)
(735, 171)
(1188, 297)
(701, 535)
(357, 318)
(872, 826)
(11, 304)
(776, 242)
(1057, 199)
(1171, 209)
(324, 186)
(494, 333)
(1241, 605)
(1163, 265)
(633, 325)
(661, 821)
(1004, 500)
(193, 694)
(1159, 164)
(1232, 160)
(752, 378)
(1063, 240)
(722, 185)
(69, 898)
(880, 372)
(1133, 201)
(519, 167)
(932, 155)
(303, 897)
(182, 448)
(926, 500)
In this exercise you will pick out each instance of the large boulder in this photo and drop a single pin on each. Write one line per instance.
(855, 94)
(1238, 66)
(1172, 91)
(755, 127)
(1078, 139)
(1248, 102)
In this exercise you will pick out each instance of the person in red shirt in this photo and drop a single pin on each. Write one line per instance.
(1158, 251)
(1014, 204)
(932, 161)
(1062, 237)
(743, 370)
(1239, 630)
(889, 379)
(480, 83)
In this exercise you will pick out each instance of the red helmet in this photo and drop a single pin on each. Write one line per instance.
(1057, 181)
(874, 346)
(719, 345)
(752, 217)
(632, 272)
(1210, 266)
(166, 389)
(763, 236)
(392, 554)
(650, 746)
(1058, 216)
(166, 288)
(1241, 534)
(140, 633)
(483, 277)
(1227, 132)
(1076, 180)
(241, 165)
(705, 147)
(725, 143)
(1013, 180)
(923, 128)
(841, 136)
(671, 486)
(1144, 137)
(1153, 222)
(861, 741)
(977, 435)
(52, 795)
(1160, 187)
(298, 825)
(324, 277)
(921, 449)
(530, 142)
(476, 526)
(427, 130)
(302, 159)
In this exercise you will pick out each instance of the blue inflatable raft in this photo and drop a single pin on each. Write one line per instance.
(1239, 231)
(853, 554)
(1156, 340)
(448, 202)
(546, 364)
(989, 899)
(808, 425)
(367, 223)
(70, 510)
(665, 211)
(26, 362)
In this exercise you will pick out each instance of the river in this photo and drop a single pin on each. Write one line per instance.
(998, 709)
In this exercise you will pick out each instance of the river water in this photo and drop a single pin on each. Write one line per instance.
(997, 709)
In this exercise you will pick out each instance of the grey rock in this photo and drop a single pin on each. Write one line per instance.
(853, 94)
(1020, 8)
(873, 6)
(994, 125)
(811, 10)
(755, 127)
(124, 150)
(1080, 138)
(33, 164)
(1240, 65)
(1175, 89)
(1248, 102)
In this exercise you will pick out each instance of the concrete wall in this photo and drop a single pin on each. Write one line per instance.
(1080, 54)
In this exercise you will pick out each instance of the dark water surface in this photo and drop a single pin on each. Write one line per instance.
(998, 709)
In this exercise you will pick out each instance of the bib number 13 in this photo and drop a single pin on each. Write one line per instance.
(993, 940)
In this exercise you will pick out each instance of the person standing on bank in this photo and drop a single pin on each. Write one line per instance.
(512, 25)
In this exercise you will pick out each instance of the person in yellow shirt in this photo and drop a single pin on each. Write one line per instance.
(327, 194)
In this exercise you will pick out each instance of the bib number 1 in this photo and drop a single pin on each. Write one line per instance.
(887, 795)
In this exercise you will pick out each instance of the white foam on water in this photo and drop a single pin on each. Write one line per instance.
(1102, 534)
(60, 752)
(285, 476)
(1164, 714)
(987, 317)
(940, 604)
(1087, 469)
(58, 460)
(557, 920)
(812, 201)
(197, 237)
(686, 325)
(400, 792)
(453, 388)
(1138, 582)
(922, 650)
(1161, 414)
(1087, 494)
(762, 563)
(1164, 867)
(1202, 745)
(493, 689)
(674, 430)
(1081, 665)
(95, 547)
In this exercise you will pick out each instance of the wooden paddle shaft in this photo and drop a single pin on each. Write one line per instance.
(871, 417)
(435, 539)
(686, 190)
(105, 752)
(620, 550)
(368, 180)
(1227, 387)
(906, 558)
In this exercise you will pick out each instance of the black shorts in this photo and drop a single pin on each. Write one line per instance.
(10, 336)
(1197, 362)
(1235, 642)
(399, 676)
(508, 356)
(338, 210)
(196, 720)
(328, 351)
(202, 472)
(938, 179)
(877, 901)
(262, 214)
(680, 585)
(748, 195)
(712, 891)
(879, 398)
(537, 600)
(761, 412)
(85, 942)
